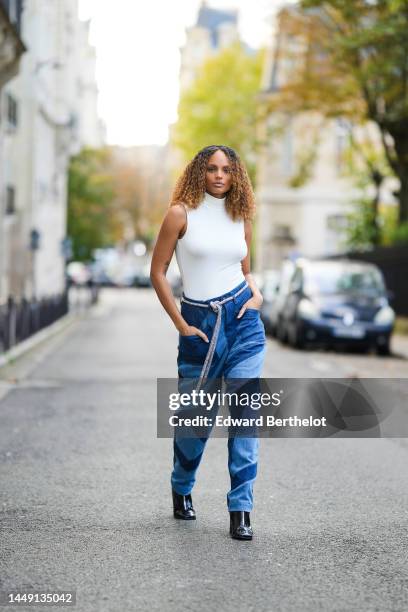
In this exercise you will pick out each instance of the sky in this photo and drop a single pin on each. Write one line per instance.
(137, 45)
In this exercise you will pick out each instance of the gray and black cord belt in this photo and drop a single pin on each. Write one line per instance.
(216, 305)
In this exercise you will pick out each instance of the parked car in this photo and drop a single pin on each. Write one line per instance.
(273, 308)
(268, 285)
(141, 276)
(176, 284)
(78, 273)
(336, 302)
(100, 276)
(174, 278)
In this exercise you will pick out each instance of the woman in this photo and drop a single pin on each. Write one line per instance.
(208, 225)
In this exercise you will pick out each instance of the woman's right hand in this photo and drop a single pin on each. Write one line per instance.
(190, 330)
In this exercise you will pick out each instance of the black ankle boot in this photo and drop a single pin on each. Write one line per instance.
(240, 525)
(183, 507)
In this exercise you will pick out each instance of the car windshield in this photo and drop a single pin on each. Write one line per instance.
(332, 279)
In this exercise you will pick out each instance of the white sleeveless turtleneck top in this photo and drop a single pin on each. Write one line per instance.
(209, 254)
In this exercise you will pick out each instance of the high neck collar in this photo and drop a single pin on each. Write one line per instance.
(213, 201)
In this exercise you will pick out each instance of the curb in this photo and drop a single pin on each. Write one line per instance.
(399, 345)
(43, 334)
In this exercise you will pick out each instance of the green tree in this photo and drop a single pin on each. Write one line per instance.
(221, 106)
(90, 193)
(367, 166)
(354, 63)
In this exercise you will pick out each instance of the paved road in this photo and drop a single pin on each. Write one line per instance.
(85, 500)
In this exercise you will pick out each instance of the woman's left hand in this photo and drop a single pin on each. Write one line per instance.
(254, 302)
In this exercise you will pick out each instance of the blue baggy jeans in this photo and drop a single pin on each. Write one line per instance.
(239, 353)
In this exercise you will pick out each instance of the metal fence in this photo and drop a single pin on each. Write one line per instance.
(21, 319)
(393, 263)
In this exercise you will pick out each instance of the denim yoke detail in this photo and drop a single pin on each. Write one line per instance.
(238, 340)
(239, 353)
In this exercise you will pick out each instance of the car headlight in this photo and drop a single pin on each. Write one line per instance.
(385, 316)
(307, 309)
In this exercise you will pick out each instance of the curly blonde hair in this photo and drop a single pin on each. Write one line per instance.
(190, 187)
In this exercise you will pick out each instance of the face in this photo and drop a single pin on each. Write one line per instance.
(218, 178)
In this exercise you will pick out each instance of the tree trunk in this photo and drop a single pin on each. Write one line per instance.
(400, 137)
(376, 228)
(403, 196)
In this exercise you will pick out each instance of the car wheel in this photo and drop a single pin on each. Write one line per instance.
(383, 349)
(281, 332)
(273, 331)
(295, 337)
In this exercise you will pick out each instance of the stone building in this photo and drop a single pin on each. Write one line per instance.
(54, 101)
(214, 30)
(298, 216)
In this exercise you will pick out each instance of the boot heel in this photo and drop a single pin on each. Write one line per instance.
(183, 507)
(240, 525)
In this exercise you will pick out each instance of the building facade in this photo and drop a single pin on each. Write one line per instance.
(303, 191)
(54, 97)
(214, 30)
(11, 50)
(11, 43)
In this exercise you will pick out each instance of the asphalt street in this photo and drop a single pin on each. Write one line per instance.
(85, 499)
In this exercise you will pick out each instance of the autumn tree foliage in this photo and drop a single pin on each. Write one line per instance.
(142, 188)
(221, 105)
(90, 192)
(115, 196)
(350, 60)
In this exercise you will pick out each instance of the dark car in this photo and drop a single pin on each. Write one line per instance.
(268, 286)
(336, 302)
(141, 277)
(273, 307)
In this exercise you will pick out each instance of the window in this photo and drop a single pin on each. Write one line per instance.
(287, 150)
(13, 9)
(337, 222)
(342, 135)
(10, 200)
(282, 232)
(11, 110)
(13, 13)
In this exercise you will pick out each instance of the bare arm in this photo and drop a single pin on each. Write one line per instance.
(169, 233)
(256, 300)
